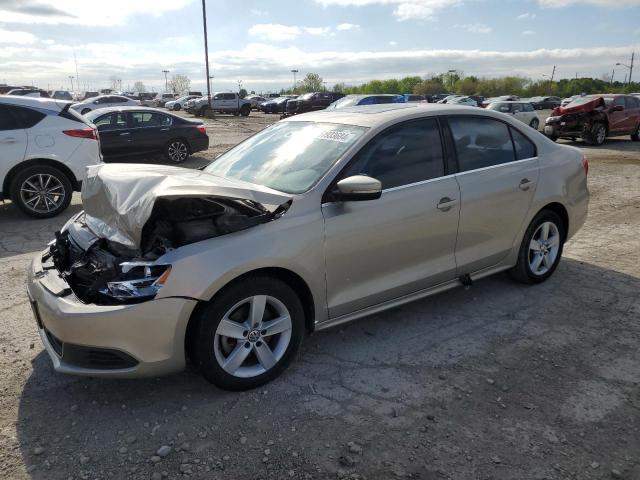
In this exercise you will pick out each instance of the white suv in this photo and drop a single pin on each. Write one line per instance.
(44, 150)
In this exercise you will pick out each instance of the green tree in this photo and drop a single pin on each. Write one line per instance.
(242, 93)
(312, 82)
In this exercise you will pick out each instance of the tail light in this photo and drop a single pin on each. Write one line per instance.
(202, 129)
(585, 165)
(82, 133)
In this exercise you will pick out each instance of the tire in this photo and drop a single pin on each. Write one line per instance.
(596, 135)
(636, 136)
(261, 357)
(245, 110)
(176, 107)
(85, 111)
(176, 150)
(236, 113)
(535, 123)
(41, 178)
(533, 266)
(202, 112)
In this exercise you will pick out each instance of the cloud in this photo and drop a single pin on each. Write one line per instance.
(475, 28)
(403, 9)
(596, 3)
(528, 32)
(82, 12)
(9, 36)
(274, 32)
(318, 30)
(393, 43)
(347, 26)
(526, 16)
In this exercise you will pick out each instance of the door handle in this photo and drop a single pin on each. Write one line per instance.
(8, 140)
(125, 133)
(525, 184)
(445, 204)
(164, 129)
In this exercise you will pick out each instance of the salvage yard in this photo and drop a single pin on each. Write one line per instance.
(494, 381)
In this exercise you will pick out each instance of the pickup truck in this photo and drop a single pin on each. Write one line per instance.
(221, 102)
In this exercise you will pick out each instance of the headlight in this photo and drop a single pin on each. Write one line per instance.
(140, 281)
(553, 119)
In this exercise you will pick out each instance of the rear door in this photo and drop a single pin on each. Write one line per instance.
(404, 241)
(115, 134)
(13, 141)
(150, 131)
(498, 174)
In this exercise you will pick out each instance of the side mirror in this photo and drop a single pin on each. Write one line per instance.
(617, 108)
(357, 188)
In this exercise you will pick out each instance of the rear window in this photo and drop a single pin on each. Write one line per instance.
(500, 107)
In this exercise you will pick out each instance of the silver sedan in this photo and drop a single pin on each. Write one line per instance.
(318, 220)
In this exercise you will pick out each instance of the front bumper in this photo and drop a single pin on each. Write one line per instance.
(118, 341)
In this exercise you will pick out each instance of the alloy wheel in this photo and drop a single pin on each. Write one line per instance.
(252, 336)
(42, 193)
(178, 151)
(544, 248)
(601, 134)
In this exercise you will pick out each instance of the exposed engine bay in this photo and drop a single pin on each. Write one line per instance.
(103, 271)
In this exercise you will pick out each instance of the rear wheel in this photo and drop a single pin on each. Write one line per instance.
(636, 136)
(245, 110)
(177, 150)
(248, 334)
(41, 191)
(176, 107)
(535, 123)
(541, 248)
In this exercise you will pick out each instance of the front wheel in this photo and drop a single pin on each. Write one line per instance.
(245, 110)
(535, 123)
(176, 107)
(597, 135)
(636, 136)
(541, 248)
(248, 334)
(177, 151)
(41, 191)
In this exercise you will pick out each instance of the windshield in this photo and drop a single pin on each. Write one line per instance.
(344, 102)
(290, 156)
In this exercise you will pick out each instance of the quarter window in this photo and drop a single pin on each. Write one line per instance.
(481, 142)
(524, 147)
(24, 117)
(405, 154)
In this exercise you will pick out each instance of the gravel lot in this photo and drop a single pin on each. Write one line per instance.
(497, 381)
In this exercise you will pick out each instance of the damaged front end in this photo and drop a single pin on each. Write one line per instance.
(576, 121)
(101, 268)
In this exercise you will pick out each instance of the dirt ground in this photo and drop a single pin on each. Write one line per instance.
(498, 381)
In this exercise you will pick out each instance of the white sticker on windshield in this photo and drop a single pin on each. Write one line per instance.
(342, 136)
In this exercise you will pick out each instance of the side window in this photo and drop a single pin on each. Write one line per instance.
(218, 96)
(367, 101)
(516, 107)
(524, 147)
(528, 107)
(405, 154)
(480, 142)
(632, 102)
(119, 99)
(6, 120)
(25, 117)
(149, 119)
(112, 121)
(618, 101)
(229, 96)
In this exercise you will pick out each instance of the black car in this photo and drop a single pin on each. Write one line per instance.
(128, 131)
(277, 105)
(545, 103)
(312, 101)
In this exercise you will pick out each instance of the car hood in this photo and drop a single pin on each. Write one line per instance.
(118, 201)
(583, 107)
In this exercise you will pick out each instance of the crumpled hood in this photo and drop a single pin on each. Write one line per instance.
(583, 107)
(118, 198)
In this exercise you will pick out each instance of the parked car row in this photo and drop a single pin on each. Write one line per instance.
(220, 102)
(47, 144)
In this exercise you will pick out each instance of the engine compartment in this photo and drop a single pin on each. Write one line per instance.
(89, 263)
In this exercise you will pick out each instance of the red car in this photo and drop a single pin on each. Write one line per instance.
(596, 117)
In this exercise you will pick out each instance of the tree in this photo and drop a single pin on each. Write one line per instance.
(179, 84)
(312, 82)
(139, 87)
(115, 82)
(242, 93)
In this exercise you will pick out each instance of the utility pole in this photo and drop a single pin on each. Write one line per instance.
(633, 54)
(71, 79)
(613, 72)
(206, 51)
(77, 76)
(166, 88)
(294, 71)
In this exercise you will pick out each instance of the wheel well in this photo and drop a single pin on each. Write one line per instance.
(290, 278)
(559, 210)
(37, 162)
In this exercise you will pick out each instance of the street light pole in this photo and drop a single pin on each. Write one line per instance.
(628, 67)
(71, 78)
(206, 51)
(294, 71)
(165, 79)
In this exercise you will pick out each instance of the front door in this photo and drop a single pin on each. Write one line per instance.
(150, 130)
(115, 134)
(497, 179)
(403, 242)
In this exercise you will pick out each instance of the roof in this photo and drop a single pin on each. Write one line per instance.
(34, 102)
(101, 111)
(375, 115)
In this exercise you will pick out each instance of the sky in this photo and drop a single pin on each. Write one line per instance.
(351, 41)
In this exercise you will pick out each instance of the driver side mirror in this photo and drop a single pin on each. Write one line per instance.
(357, 188)
(617, 108)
